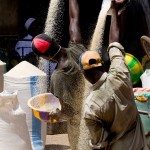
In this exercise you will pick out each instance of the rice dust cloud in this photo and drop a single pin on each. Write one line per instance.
(77, 130)
(97, 39)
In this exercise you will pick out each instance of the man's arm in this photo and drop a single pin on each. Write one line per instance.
(116, 50)
(114, 27)
(74, 27)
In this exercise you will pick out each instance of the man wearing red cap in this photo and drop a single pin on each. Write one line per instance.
(67, 80)
(110, 111)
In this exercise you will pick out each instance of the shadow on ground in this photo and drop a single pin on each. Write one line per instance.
(57, 147)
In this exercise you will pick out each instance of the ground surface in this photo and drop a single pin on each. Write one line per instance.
(57, 142)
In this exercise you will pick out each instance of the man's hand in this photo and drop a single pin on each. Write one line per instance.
(120, 1)
(121, 5)
(55, 116)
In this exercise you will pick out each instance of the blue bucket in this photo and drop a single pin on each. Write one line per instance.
(144, 107)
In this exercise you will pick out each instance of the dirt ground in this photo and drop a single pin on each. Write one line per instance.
(57, 142)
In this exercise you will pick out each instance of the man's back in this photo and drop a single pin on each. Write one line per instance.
(118, 117)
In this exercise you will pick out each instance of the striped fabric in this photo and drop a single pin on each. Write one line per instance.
(135, 67)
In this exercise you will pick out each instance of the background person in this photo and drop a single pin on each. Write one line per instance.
(23, 47)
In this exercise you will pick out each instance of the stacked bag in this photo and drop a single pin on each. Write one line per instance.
(13, 127)
(28, 81)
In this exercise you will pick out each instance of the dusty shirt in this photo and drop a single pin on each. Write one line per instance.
(66, 83)
(110, 108)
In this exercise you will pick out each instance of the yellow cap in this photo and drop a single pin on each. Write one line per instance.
(90, 59)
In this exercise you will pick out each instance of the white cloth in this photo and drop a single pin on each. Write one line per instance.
(13, 127)
(145, 78)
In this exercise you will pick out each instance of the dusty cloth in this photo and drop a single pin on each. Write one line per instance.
(68, 85)
(71, 74)
(110, 110)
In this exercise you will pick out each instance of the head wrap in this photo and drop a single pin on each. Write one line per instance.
(44, 45)
(29, 22)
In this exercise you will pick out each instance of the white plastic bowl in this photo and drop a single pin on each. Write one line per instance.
(43, 105)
